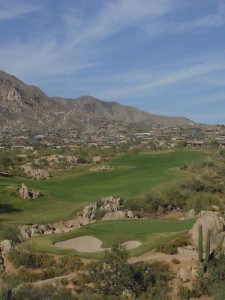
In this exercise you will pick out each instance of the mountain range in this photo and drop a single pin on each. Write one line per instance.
(27, 107)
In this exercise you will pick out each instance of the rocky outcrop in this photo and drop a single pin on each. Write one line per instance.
(120, 214)
(210, 222)
(89, 211)
(97, 159)
(27, 193)
(30, 230)
(5, 247)
(111, 204)
(112, 207)
(36, 174)
(191, 214)
(101, 168)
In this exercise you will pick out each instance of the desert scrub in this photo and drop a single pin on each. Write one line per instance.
(171, 246)
(9, 232)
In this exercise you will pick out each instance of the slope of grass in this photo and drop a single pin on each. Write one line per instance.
(112, 233)
(68, 191)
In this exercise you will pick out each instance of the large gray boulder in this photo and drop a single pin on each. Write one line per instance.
(209, 222)
(191, 214)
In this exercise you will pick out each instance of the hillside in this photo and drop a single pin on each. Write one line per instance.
(120, 113)
(23, 106)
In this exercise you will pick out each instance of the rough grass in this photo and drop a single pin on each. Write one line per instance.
(68, 191)
(112, 233)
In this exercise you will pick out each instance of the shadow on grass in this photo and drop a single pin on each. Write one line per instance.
(8, 208)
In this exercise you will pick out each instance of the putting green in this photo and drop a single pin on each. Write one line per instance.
(112, 233)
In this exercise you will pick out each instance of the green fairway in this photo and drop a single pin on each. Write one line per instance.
(68, 191)
(112, 233)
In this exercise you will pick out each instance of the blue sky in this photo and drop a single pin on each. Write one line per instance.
(162, 56)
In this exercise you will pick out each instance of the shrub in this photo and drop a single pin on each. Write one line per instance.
(99, 214)
(114, 275)
(31, 260)
(201, 201)
(184, 292)
(171, 246)
(9, 232)
(175, 261)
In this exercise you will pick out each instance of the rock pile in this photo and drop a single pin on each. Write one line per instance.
(120, 214)
(89, 211)
(5, 247)
(27, 193)
(36, 174)
(112, 207)
(28, 231)
(101, 168)
(111, 204)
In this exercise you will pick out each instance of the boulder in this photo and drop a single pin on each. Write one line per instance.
(209, 222)
(184, 274)
(97, 159)
(130, 214)
(191, 214)
(108, 216)
(6, 246)
(27, 193)
(36, 174)
(120, 214)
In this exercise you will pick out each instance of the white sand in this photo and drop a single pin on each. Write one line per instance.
(82, 244)
(131, 245)
(91, 244)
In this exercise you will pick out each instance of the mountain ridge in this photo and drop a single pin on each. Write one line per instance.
(27, 105)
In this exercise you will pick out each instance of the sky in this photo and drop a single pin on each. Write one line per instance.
(162, 56)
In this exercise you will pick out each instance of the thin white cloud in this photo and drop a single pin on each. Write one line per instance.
(163, 79)
(12, 9)
(118, 15)
(212, 20)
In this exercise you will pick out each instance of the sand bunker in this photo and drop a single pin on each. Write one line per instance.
(83, 244)
(131, 245)
(90, 244)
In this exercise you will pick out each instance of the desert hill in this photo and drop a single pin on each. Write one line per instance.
(25, 106)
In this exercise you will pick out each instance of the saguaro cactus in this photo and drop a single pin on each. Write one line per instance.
(208, 255)
(200, 243)
(207, 251)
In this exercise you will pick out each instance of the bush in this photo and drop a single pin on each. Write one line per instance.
(114, 275)
(99, 214)
(9, 232)
(184, 292)
(171, 246)
(31, 260)
(175, 261)
(201, 201)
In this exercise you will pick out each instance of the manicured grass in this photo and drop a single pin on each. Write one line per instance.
(113, 233)
(68, 191)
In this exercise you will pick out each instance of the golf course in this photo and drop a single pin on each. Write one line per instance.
(68, 191)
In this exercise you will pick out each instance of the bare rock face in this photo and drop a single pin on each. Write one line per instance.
(209, 222)
(191, 214)
(89, 211)
(27, 193)
(111, 204)
(97, 159)
(5, 247)
(36, 174)
(120, 214)
(102, 168)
